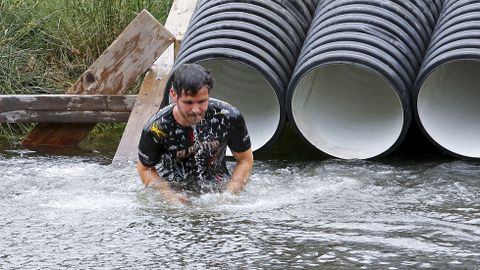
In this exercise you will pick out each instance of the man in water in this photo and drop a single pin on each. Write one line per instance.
(188, 139)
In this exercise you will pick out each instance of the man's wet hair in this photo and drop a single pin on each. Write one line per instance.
(189, 78)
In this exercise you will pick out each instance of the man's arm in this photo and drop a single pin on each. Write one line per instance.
(151, 178)
(241, 172)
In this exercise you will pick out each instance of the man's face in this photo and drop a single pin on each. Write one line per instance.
(192, 109)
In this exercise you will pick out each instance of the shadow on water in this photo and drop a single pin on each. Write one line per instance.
(289, 147)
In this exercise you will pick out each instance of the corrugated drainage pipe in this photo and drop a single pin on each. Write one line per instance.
(251, 47)
(349, 93)
(446, 96)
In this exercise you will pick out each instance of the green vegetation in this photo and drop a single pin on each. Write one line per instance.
(45, 45)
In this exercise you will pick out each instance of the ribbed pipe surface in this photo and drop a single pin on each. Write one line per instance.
(349, 92)
(251, 47)
(446, 95)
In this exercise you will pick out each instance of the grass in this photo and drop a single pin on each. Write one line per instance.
(45, 45)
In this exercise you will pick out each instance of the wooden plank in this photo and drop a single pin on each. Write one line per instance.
(177, 23)
(148, 101)
(57, 135)
(112, 103)
(151, 93)
(135, 49)
(28, 116)
(65, 108)
(129, 56)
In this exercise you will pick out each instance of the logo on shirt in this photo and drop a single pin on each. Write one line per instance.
(157, 131)
(211, 146)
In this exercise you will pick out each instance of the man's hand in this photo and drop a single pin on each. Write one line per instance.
(151, 178)
(234, 187)
(176, 198)
(241, 172)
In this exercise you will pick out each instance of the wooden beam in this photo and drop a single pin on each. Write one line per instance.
(114, 103)
(149, 99)
(151, 93)
(65, 108)
(27, 116)
(177, 23)
(129, 56)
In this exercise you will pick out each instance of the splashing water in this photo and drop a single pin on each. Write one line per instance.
(73, 212)
(199, 149)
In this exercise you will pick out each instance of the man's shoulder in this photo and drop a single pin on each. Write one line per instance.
(221, 107)
(160, 117)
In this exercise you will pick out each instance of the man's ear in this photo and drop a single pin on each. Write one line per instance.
(173, 95)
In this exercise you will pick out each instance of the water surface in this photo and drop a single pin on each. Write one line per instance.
(79, 212)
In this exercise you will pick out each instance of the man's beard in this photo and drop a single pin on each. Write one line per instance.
(193, 118)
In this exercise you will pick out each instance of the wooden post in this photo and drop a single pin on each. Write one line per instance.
(133, 52)
(151, 92)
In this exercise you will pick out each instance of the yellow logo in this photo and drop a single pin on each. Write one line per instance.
(160, 133)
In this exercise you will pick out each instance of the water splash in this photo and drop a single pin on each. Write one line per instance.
(199, 147)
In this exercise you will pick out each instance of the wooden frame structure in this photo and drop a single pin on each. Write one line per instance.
(151, 92)
(98, 95)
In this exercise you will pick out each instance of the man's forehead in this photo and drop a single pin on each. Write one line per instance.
(188, 95)
(199, 92)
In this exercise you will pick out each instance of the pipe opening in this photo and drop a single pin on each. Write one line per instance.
(249, 91)
(448, 107)
(347, 111)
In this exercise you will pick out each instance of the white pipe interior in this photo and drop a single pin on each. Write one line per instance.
(347, 112)
(449, 107)
(247, 90)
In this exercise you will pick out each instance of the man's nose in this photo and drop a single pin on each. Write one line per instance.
(197, 109)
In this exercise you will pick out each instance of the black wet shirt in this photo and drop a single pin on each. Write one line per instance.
(193, 158)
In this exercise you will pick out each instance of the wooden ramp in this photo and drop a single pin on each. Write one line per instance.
(151, 92)
(128, 57)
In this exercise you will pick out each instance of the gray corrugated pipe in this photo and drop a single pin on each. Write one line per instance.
(251, 48)
(446, 97)
(349, 93)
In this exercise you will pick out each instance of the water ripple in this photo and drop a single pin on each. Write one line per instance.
(58, 212)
